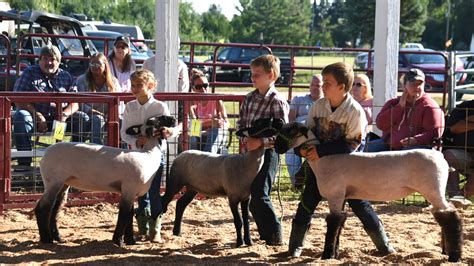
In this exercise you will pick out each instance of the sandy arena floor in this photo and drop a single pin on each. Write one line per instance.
(208, 236)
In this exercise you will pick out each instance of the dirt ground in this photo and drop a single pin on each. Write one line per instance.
(208, 236)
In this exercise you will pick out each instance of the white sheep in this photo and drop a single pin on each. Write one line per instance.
(219, 175)
(382, 176)
(93, 167)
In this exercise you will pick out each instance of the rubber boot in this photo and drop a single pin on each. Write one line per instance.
(142, 221)
(155, 230)
(297, 239)
(452, 188)
(380, 239)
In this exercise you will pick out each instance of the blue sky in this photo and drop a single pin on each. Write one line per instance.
(227, 6)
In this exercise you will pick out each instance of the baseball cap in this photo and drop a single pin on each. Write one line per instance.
(122, 39)
(414, 74)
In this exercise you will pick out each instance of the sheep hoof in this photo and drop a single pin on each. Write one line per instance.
(46, 240)
(130, 241)
(118, 242)
(239, 243)
(454, 257)
(248, 242)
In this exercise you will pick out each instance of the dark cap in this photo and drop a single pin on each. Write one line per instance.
(414, 74)
(122, 39)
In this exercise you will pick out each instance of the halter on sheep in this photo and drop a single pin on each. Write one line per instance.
(93, 167)
(228, 175)
(399, 173)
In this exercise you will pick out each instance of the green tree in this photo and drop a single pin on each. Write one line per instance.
(360, 21)
(462, 23)
(434, 35)
(189, 23)
(215, 25)
(277, 21)
(413, 16)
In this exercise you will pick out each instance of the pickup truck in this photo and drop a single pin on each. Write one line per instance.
(243, 55)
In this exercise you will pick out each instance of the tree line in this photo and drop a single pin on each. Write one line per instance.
(337, 23)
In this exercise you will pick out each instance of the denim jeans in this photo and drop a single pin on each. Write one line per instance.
(212, 140)
(23, 127)
(261, 205)
(381, 145)
(152, 198)
(293, 162)
(95, 126)
(311, 198)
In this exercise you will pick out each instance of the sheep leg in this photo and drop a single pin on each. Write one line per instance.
(180, 207)
(451, 233)
(124, 218)
(43, 212)
(335, 222)
(234, 207)
(129, 239)
(60, 202)
(244, 205)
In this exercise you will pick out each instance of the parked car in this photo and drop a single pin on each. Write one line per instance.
(243, 55)
(431, 62)
(44, 23)
(139, 57)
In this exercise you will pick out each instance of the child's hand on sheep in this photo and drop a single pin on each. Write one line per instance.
(309, 153)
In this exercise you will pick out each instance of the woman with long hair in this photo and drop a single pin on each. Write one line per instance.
(97, 78)
(121, 62)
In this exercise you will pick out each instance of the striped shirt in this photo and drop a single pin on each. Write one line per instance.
(257, 106)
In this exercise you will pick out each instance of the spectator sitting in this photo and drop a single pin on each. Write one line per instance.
(362, 93)
(213, 118)
(410, 121)
(458, 143)
(121, 62)
(29, 117)
(299, 108)
(97, 78)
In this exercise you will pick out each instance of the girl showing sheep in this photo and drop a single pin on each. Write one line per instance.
(146, 106)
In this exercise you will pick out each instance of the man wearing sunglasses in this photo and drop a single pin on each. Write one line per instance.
(31, 117)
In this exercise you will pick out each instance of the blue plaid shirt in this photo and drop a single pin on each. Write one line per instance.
(32, 79)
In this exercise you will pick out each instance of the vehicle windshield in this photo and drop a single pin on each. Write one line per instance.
(425, 59)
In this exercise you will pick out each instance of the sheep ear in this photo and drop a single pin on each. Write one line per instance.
(133, 130)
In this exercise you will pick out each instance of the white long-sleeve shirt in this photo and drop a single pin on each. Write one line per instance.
(136, 114)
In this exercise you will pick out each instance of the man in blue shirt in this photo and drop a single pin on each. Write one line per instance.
(44, 77)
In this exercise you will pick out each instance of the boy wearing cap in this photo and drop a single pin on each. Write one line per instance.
(410, 121)
(46, 76)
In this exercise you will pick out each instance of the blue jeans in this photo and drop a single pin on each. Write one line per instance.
(311, 198)
(95, 125)
(23, 127)
(293, 162)
(381, 145)
(212, 140)
(261, 205)
(152, 198)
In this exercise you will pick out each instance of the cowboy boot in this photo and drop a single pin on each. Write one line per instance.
(155, 230)
(297, 239)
